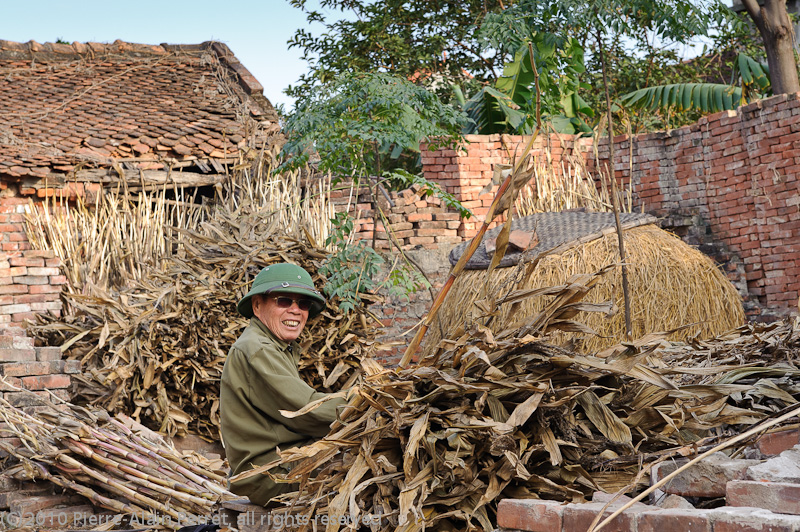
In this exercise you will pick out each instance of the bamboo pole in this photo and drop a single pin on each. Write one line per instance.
(615, 199)
(473, 246)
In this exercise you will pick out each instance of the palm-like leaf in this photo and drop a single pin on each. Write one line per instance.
(491, 111)
(705, 97)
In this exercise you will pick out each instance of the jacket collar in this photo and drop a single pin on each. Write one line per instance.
(282, 345)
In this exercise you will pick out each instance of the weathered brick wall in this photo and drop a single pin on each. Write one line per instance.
(12, 218)
(25, 366)
(727, 184)
(30, 283)
(30, 280)
(465, 173)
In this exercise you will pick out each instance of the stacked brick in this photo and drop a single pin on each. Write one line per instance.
(414, 220)
(12, 219)
(34, 368)
(35, 505)
(30, 283)
(758, 495)
(30, 280)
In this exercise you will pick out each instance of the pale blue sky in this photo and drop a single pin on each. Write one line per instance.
(256, 30)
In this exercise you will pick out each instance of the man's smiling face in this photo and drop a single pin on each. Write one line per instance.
(285, 323)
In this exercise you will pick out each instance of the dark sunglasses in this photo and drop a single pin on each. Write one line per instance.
(286, 302)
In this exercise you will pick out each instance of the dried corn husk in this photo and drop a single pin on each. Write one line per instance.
(152, 334)
(437, 445)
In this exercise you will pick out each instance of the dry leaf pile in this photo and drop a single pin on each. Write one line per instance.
(155, 347)
(435, 446)
(114, 462)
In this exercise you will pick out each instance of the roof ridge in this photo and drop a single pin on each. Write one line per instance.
(87, 48)
(55, 51)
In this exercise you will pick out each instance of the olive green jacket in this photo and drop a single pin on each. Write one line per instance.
(260, 377)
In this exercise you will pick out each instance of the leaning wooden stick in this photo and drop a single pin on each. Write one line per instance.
(740, 437)
(473, 246)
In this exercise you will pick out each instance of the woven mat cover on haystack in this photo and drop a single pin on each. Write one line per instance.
(672, 285)
(553, 230)
(436, 446)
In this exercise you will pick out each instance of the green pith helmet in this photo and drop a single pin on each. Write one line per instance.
(283, 278)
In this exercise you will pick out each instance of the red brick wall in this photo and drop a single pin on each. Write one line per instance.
(30, 280)
(727, 184)
(30, 283)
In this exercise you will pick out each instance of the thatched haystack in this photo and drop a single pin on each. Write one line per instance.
(672, 285)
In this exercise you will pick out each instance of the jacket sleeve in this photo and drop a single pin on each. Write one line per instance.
(275, 385)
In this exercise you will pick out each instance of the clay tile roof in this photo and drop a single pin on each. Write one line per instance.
(88, 105)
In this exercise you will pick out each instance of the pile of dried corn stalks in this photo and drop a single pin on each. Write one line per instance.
(435, 446)
(114, 462)
(153, 333)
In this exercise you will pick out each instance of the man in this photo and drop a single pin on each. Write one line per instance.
(260, 378)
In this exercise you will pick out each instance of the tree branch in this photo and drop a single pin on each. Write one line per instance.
(754, 10)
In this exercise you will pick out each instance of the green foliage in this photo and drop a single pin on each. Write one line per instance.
(430, 41)
(513, 105)
(588, 20)
(705, 97)
(350, 269)
(356, 116)
(755, 75)
(405, 280)
(490, 111)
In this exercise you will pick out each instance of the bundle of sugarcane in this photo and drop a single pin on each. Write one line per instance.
(153, 344)
(488, 417)
(116, 465)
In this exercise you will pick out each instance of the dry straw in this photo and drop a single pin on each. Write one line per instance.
(567, 186)
(673, 285)
(110, 244)
(436, 446)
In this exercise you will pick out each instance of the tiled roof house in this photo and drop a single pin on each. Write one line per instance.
(80, 117)
(73, 117)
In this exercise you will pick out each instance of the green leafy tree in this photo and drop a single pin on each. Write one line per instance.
(360, 125)
(728, 73)
(541, 83)
(598, 24)
(432, 42)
